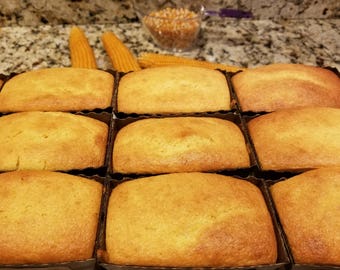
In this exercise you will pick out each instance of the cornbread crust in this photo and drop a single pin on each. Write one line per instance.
(47, 217)
(297, 139)
(173, 89)
(279, 86)
(189, 219)
(179, 144)
(51, 141)
(308, 207)
(57, 89)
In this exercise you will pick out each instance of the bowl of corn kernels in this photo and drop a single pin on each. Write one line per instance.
(172, 25)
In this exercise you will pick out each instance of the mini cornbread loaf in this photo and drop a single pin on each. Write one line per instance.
(179, 144)
(51, 141)
(57, 89)
(47, 217)
(173, 89)
(189, 219)
(279, 86)
(297, 139)
(308, 206)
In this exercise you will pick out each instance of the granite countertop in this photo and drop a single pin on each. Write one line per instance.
(245, 42)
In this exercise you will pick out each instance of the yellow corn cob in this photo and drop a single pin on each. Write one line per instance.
(121, 57)
(146, 60)
(82, 55)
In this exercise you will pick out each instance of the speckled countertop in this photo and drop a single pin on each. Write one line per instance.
(244, 42)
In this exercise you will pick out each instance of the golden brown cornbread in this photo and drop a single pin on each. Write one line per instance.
(308, 207)
(179, 144)
(297, 139)
(189, 219)
(51, 141)
(279, 86)
(47, 217)
(173, 89)
(57, 89)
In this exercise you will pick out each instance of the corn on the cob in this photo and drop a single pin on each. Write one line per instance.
(82, 55)
(146, 60)
(121, 57)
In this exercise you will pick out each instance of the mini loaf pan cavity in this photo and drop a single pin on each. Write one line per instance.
(235, 98)
(233, 117)
(104, 117)
(3, 79)
(87, 264)
(256, 169)
(108, 119)
(293, 265)
(71, 107)
(310, 96)
(283, 147)
(120, 114)
(296, 266)
(283, 260)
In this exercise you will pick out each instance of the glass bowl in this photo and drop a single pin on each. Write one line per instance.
(172, 25)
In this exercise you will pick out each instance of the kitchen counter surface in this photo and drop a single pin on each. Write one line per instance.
(246, 43)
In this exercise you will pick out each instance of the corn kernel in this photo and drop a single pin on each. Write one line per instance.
(173, 27)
